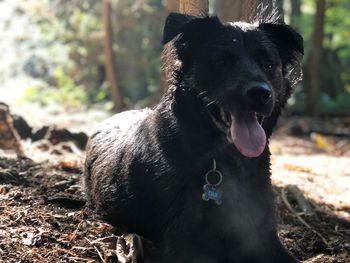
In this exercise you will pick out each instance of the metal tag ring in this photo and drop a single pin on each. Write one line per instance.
(219, 176)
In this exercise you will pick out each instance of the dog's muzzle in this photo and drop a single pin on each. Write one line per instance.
(244, 128)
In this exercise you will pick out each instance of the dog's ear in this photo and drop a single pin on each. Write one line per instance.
(173, 25)
(288, 41)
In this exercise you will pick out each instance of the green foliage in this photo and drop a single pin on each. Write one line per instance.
(65, 91)
(337, 30)
(76, 26)
(340, 104)
(335, 77)
(101, 94)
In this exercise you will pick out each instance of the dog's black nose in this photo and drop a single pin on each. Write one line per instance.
(258, 97)
(258, 93)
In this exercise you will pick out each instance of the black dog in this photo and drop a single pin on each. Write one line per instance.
(193, 173)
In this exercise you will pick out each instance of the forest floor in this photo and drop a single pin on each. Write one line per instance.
(42, 217)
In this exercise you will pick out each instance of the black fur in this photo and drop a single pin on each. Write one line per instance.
(145, 170)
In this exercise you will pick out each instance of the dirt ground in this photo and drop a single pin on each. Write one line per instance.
(42, 217)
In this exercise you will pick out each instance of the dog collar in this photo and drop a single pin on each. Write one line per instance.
(213, 179)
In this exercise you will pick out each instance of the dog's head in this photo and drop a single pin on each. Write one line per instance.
(239, 70)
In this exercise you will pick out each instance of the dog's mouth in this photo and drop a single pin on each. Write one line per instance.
(244, 131)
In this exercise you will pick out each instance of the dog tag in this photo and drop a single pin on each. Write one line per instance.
(210, 189)
(211, 193)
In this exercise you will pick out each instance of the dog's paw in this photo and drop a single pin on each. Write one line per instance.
(130, 249)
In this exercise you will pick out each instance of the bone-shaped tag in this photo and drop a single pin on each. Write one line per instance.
(210, 192)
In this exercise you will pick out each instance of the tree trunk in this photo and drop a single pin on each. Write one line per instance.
(295, 12)
(172, 5)
(194, 7)
(243, 10)
(109, 57)
(229, 10)
(315, 59)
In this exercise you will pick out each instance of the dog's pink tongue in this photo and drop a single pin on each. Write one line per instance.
(248, 136)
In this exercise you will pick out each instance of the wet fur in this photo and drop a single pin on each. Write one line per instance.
(144, 170)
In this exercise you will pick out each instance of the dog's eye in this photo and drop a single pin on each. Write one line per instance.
(268, 65)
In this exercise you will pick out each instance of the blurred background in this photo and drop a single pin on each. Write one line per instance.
(98, 57)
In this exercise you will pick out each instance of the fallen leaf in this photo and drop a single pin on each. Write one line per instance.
(296, 168)
(322, 142)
